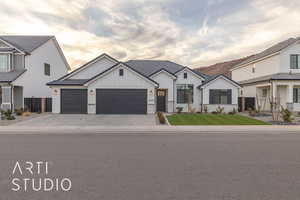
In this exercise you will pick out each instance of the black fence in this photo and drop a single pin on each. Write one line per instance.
(249, 103)
(35, 104)
(48, 105)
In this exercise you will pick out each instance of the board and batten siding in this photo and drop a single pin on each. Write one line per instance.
(112, 80)
(94, 69)
(220, 83)
(195, 81)
(166, 82)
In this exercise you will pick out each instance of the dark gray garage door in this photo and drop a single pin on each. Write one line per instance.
(121, 101)
(74, 101)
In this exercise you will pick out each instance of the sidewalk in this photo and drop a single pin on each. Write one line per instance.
(148, 129)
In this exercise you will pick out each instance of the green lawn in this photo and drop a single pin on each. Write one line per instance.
(212, 119)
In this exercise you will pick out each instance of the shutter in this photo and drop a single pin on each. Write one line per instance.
(295, 95)
(229, 96)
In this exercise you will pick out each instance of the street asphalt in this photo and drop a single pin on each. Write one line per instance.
(127, 166)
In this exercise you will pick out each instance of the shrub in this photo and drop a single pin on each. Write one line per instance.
(19, 112)
(193, 110)
(286, 115)
(179, 109)
(205, 109)
(233, 112)
(252, 112)
(219, 110)
(161, 117)
(7, 115)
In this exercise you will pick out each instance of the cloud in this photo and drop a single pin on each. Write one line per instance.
(190, 32)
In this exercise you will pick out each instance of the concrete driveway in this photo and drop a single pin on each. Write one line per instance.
(90, 120)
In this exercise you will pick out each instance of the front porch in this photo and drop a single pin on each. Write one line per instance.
(11, 97)
(284, 94)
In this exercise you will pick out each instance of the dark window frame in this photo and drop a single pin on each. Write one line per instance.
(185, 75)
(215, 96)
(47, 69)
(182, 96)
(121, 72)
(294, 64)
(296, 95)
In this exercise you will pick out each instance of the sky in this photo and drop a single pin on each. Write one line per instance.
(193, 33)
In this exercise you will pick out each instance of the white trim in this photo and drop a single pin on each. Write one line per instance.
(166, 72)
(265, 57)
(84, 66)
(114, 68)
(223, 77)
(11, 45)
(186, 68)
(61, 53)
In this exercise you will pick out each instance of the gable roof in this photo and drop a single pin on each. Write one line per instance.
(272, 50)
(163, 70)
(124, 64)
(212, 78)
(150, 67)
(222, 67)
(25, 43)
(81, 82)
(87, 64)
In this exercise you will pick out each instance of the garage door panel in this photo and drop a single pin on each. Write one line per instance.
(74, 101)
(121, 101)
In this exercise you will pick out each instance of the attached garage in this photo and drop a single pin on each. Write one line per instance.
(121, 101)
(73, 101)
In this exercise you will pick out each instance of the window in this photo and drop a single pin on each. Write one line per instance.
(295, 61)
(264, 92)
(185, 75)
(4, 62)
(253, 69)
(217, 96)
(185, 93)
(296, 95)
(121, 72)
(47, 69)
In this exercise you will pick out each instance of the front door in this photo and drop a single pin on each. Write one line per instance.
(161, 100)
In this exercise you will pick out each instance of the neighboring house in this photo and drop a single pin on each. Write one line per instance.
(222, 68)
(107, 86)
(272, 76)
(27, 63)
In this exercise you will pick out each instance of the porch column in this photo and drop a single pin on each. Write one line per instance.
(6, 97)
(274, 91)
(289, 102)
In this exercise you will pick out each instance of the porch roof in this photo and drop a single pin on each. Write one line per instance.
(279, 76)
(7, 77)
(69, 82)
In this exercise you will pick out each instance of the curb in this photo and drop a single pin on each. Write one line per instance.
(167, 121)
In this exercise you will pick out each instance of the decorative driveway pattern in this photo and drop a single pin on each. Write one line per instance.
(90, 120)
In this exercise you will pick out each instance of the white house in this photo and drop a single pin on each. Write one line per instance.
(272, 76)
(27, 63)
(107, 86)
